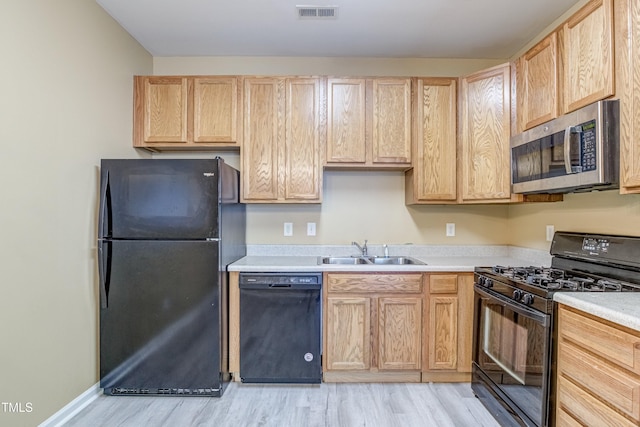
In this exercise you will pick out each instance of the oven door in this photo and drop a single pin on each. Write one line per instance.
(511, 356)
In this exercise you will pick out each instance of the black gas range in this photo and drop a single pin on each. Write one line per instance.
(534, 286)
(513, 345)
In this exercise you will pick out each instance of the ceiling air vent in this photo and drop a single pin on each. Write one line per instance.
(317, 12)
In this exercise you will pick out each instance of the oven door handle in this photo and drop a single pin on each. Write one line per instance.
(543, 319)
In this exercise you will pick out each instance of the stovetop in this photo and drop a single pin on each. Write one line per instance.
(554, 279)
(581, 262)
(534, 286)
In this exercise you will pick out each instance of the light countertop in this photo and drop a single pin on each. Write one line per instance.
(292, 258)
(310, 263)
(622, 308)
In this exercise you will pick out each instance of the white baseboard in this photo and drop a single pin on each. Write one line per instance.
(72, 408)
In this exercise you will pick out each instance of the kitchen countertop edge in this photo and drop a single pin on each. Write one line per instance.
(622, 308)
(310, 264)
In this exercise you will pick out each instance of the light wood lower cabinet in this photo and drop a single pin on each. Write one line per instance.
(386, 327)
(598, 379)
(372, 327)
(447, 335)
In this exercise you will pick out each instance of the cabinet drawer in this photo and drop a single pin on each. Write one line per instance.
(585, 408)
(617, 345)
(443, 283)
(613, 384)
(404, 283)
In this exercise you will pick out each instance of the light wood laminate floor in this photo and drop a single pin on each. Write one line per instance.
(335, 405)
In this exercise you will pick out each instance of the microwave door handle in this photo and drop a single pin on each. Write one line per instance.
(567, 150)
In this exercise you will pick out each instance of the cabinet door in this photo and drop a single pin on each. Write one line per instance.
(627, 62)
(465, 322)
(536, 76)
(215, 109)
(486, 160)
(303, 168)
(262, 133)
(399, 330)
(587, 60)
(391, 142)
(346, 120)
(433, 177)
(443, 332)
(348, 333)
(165, 107)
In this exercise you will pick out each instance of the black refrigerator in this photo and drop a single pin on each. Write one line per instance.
(167, 231)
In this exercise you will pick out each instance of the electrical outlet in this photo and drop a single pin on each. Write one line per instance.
(311, 229)
(451, 229)
(288, 229)
(550, 231)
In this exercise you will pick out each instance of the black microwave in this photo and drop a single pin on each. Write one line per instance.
(575, 152)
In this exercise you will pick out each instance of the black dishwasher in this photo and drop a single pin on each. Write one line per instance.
(280, 327)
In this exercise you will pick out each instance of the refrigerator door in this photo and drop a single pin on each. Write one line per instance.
(163, 318)
(162, 198)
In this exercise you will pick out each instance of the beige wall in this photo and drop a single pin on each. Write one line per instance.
(66, 102)
(336, 66)
(370, 205)
(594, 212)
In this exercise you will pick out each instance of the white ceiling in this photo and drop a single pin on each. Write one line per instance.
(364, 28)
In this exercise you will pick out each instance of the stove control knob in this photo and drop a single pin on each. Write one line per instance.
(488, 283)
(481, 281)
(517, 294)
(527, 299)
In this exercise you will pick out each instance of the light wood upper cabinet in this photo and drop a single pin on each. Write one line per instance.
(627, 62)
(537, 84)
(215, 105)
(282, 133)
(391, 139)
(485, 167)
(369, 122)
(262, 134)
(587, 67)
(185, 113)
(346, 120)
(434, 174)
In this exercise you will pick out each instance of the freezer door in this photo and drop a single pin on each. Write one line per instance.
(162, 198)
(163, 319)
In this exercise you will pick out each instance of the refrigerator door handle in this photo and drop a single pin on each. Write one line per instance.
(104, 272)
(105, 207)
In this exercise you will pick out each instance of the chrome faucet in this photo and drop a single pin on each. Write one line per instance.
(363, 248)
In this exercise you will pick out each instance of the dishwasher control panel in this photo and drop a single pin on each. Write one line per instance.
(280, 279)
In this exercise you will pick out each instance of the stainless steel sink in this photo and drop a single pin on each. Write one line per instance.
(394, 260)
(343, 260)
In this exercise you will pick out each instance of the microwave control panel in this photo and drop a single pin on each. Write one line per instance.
(588, 146)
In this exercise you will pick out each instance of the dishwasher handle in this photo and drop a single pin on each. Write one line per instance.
(279, 285)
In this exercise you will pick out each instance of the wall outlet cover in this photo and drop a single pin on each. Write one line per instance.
(288, 229)
(311, 229)
(550, 231)
(451, 229)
